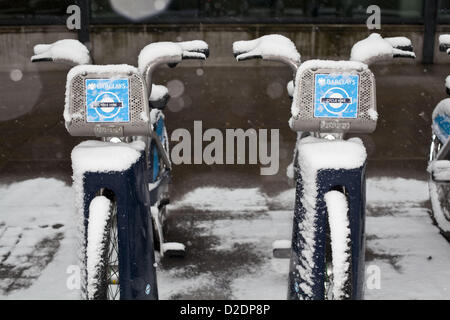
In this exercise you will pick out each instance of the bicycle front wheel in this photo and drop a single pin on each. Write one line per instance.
(338, 257)
(102, 251)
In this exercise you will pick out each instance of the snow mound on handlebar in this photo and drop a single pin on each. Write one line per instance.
(370, 48)
(193, 45)
(444, 39)
(171, 52)
(111, 69)
(63, 50)
(374, 48)
(397, 42)
(158, 50)
(269, 45)
(313, 155)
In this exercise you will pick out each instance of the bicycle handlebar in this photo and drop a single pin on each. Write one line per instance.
(195, 49)
(401, 43)
(374, 49)
(68, 51)
(272, 47)
(444, 43)
(170, 53)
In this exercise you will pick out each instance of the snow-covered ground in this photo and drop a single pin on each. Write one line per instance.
(230, 236)
(37, 239)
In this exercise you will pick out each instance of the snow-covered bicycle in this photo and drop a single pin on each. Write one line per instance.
(439, 158)
(330, 100)
(120, 180)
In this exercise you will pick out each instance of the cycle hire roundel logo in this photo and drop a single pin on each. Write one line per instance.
(336, 96)
(107, 100)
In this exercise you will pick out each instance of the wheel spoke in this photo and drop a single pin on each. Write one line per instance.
(113, 284)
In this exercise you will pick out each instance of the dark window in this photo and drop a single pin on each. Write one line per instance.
(33, 11)
(444, 12)
(218, 11)
(117, 11)
(253, 11)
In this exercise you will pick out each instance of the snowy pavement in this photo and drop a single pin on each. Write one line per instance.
(37, 239)
(229, 239)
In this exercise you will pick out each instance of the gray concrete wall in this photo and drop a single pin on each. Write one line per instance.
(16, 45)
(122, 43)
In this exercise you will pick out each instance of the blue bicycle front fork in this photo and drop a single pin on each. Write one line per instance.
(137, 272)
(311, 274)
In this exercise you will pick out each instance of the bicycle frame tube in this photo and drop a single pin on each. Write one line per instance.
(161, 150)
(444, 152)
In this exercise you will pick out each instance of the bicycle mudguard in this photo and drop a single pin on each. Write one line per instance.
(118, 167)
(321, 167)
(334, 97)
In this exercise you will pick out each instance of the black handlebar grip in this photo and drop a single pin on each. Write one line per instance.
(256, 56)
(42, 60)
(399, 55)
(406, 48)
(443, 47)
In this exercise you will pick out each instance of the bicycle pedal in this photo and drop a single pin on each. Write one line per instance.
(281, 249)
(174, 249)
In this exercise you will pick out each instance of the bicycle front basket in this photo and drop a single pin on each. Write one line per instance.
(106, 101)
(334, 97)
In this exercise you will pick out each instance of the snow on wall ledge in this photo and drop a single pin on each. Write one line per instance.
(315, 154)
